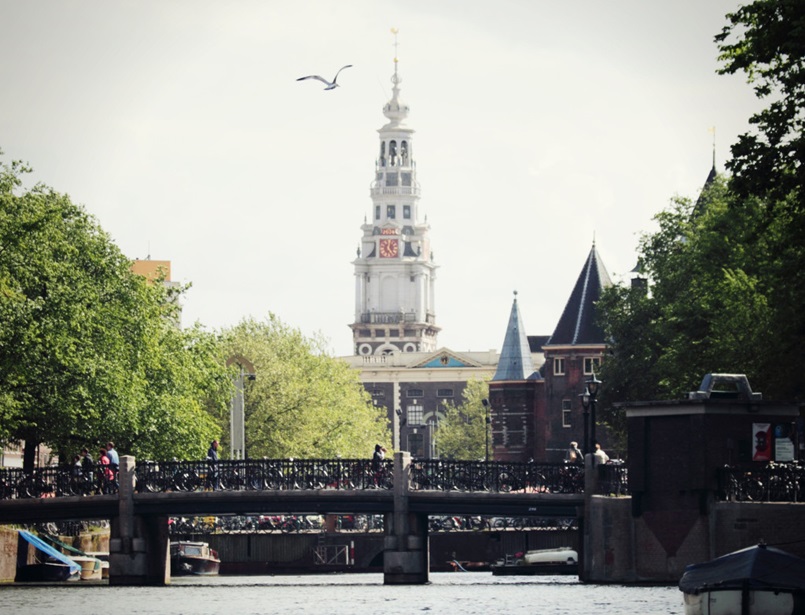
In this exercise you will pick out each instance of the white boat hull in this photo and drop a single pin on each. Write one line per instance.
(728, 602)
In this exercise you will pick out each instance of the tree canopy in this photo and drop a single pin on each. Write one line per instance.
(765, 40)
(302, 403)
(727, 273)
(88, 350)
(463, 431)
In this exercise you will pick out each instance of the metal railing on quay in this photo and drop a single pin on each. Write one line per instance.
(773, 482)
(613, 479)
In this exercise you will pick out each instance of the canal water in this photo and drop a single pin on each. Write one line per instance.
(454, 593)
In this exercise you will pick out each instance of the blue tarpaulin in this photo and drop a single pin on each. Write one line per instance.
(47, 549)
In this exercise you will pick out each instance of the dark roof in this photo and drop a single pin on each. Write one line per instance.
(515, 358)
(711, 177)
(577, 325)
(536, 342)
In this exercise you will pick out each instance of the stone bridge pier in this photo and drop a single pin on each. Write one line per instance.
(406, 558)
(139, 551)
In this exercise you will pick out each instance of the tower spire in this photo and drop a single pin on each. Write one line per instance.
(395, 270)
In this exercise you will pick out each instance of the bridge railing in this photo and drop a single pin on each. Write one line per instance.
(499, 477)
(290, 474)
(263, 474)
(57, 481)
(775, 482)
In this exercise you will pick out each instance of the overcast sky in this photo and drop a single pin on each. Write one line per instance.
(540, 125)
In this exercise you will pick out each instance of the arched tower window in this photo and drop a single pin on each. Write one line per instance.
(393, 152)
(404, 152)
(382, 153)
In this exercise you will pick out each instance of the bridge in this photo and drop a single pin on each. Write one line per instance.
(405, 492)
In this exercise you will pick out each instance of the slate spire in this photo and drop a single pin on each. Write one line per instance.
(515, 358)
(577, 324)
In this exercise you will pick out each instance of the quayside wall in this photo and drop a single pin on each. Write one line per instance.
(656, 546)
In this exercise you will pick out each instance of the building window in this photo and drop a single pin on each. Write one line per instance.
(444, 393)
(415, 393)
(591, 364)
(377, 212)
(391, 211)
(566, 409)
(391, 179)
(416, 445)
(407, 212)
(415, 415)
(406, 179)
(558, 367)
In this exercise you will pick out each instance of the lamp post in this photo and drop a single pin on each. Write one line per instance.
(585, 403)
(588, 400)
(485, 402)
(593, 385)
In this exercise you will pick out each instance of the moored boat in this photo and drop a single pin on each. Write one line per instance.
(758, 580)
(562, 560)
(51, 564)
(197, 558)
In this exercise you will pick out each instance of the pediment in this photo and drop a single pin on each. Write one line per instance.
(445, 358)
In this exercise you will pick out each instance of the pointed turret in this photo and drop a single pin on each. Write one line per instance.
(515, 358)
(577, 324)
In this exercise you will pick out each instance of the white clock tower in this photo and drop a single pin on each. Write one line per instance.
(394, 270)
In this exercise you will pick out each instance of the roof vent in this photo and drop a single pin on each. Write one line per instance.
(725, 386)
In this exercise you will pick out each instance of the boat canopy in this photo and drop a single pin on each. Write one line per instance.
(48, 550)
(757, 567)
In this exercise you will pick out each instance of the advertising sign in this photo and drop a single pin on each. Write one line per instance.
(784, 442)
(761, 441)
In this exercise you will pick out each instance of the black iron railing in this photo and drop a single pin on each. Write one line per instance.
(434, 474)
(612, 479)
(263, 474)
(775, 482)
(56, 481)
(300, 474)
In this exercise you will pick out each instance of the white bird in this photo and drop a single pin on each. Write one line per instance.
(331, 85)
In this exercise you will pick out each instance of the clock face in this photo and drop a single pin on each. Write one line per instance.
(388, 248)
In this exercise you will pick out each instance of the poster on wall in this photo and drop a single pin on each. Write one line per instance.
(761, 439)
(784, 442)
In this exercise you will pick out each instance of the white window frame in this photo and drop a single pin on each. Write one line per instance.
(559, 366)
(567, 409)
(591, 364)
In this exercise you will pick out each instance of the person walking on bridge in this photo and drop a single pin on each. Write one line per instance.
(573, 454)
(213, 478)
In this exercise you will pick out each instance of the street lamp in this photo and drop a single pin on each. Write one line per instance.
(588, 400)
(585, 403)
(485, 402)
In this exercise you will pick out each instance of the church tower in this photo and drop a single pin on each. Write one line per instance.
(394, 270)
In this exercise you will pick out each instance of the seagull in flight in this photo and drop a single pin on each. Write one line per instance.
(331, 85)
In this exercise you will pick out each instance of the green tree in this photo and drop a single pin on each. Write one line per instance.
(87, 348)
(765, 39)
(727, 276)
(302, 403)
(463, 432)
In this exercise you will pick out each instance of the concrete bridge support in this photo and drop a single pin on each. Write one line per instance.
(406, 558)
(138, 545)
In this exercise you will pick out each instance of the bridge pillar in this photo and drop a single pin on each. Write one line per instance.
(405, 559)
(138, 545)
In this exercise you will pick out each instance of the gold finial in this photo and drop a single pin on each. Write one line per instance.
(394, 32)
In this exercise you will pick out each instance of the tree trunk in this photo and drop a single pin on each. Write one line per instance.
(29, 455)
